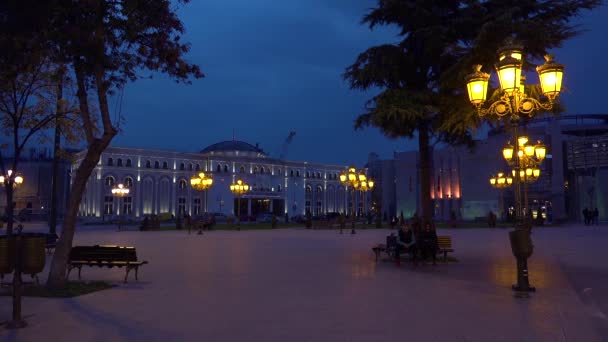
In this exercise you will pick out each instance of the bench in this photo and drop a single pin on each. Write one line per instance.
(104, 256)
(444, 245)
(389, 248)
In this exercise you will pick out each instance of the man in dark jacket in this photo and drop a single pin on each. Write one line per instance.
(427, 240)
(406, 242)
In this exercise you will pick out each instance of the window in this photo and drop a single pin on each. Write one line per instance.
(108, 205)
(242, 169)
(165, 165)
(262, 170)
(196, 206)
(318, 174)
(182, 166)
(182, 184)
(156, 164)
(255, 169)
(190, 168)
(181, 206)
(119, 162)
(128, 182)
(129, 163)
(127, 205)
(291, 173)
(307, 174)
(110, 162)
(109, 181)
(279, 188)
(148, 164)
(280, 172)
(225, 168)
(219, 168)
(308, 199)
(298, 173)
(198, 167)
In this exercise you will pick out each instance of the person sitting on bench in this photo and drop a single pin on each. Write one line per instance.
(428, 242)
(406, 242)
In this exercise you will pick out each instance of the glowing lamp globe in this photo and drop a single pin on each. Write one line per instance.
(477, 85)
(509, 71)
(550, 75)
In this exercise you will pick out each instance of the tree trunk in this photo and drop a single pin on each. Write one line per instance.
(57, 274)
(96, 147)
(425, 173)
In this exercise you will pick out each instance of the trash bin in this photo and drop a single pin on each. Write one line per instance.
(33, 256)
(7, 255)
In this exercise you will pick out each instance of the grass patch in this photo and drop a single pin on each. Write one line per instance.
(72, 289)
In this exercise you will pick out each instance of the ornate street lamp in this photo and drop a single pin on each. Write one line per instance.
(501, 182)
(11, 181)
(358, 181)
(512, 104)
(120, 191)
(239, 188)
(202, 182)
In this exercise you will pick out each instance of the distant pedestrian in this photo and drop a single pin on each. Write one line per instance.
(595, 216)
(586, 216)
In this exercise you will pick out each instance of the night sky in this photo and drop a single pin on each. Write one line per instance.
(275, 66)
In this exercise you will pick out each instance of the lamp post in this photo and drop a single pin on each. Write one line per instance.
(119, 192)
(358, 181)
(11, 180)
(514, 103)
(365, 185)
(501, 182)
(238, 189)
(202, 182)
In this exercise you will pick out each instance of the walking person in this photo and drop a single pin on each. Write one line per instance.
(586, 216)
(595, 216)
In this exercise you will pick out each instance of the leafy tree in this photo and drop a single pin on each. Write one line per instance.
(421, 77)
(107, 44)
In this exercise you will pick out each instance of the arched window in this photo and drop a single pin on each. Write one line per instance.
(156, 164)
(128, 182)
(182, 166)
(148, 164)
(298, 173)
(280, 171)
(307, 174)
(225, 168)
(182, 184)
(198, 167)
(219, 168)
(291, 173)
(242, 169)
(255, 169)
(279, 188)
(109, 181)
(165, 165)
(262, 170)
(119, 162)
(318, 174)
(110, 162)
(129, 163)
(190, 167)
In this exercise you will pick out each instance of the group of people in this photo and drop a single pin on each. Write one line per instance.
(591, 216)
(416, 241)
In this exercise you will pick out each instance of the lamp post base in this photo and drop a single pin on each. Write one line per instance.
(518, 288)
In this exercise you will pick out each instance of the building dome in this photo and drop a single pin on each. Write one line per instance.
(234, 147)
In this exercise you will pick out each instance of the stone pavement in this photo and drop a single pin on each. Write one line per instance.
(316, 285)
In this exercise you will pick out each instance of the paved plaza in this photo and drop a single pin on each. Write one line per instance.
(316, 285)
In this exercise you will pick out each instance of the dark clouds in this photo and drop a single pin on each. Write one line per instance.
(273, 66)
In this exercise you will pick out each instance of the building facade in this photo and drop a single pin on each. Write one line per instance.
(159, 182)
(573, 175)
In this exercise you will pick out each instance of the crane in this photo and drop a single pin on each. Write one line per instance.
(285, 144)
